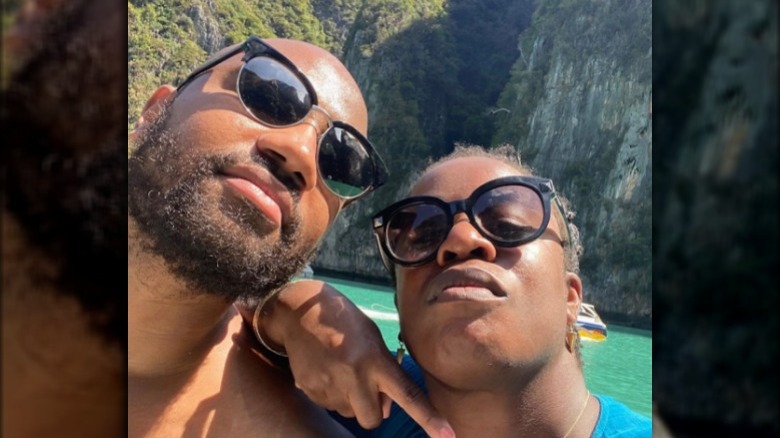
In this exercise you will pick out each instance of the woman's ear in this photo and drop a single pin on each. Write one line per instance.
(573, 296)
(152, 109)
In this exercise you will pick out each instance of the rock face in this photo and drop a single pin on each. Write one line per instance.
(210, 38)
(578, 108)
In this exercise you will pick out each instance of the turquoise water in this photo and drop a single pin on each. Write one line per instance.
(620, 367)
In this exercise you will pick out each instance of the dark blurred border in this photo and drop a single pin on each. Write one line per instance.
(64, 153)
(715, 224)
(64, 149)
(715, 216)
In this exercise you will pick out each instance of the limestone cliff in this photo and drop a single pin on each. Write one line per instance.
(578, 108)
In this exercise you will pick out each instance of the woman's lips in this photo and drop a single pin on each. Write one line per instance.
(257, 197)
(465, 284)
(465, 293)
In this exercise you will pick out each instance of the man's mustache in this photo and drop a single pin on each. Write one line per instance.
(283, 176)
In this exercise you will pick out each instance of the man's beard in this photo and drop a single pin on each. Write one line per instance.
(213, 246)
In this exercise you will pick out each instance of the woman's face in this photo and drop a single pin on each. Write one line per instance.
(478, 308)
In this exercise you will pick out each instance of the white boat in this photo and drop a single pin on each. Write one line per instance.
(307, 272)
(590, 324)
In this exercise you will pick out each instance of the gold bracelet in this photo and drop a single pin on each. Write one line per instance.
(256, 321)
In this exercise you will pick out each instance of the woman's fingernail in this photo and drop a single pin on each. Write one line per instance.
(446, 432)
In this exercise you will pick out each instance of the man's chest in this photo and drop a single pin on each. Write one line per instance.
(242, 397)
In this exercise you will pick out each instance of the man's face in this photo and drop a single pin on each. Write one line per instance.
(236, 207)
(479, 309)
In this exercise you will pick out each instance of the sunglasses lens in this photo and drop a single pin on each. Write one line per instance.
(344, 163)
(510, 214)
(416, 231)
(273, 93)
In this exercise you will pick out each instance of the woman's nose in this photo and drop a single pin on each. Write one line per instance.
(464, 241)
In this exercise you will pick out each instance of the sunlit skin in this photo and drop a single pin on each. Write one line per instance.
(189, 363)
(487, 324)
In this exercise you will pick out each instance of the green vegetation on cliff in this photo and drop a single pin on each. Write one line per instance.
(168, 38)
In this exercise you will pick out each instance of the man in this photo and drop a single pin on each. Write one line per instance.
(237, 175)
(64, 163)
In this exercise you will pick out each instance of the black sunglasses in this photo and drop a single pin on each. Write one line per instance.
(507, 211)
(276, 93)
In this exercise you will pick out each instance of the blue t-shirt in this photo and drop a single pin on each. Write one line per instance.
(615, 418)
(399, 424)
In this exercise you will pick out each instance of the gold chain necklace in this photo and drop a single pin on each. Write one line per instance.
(587, 399)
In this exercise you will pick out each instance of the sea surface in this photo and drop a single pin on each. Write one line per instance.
(620, 367)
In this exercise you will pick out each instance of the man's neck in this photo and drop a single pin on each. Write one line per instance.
(170, 327)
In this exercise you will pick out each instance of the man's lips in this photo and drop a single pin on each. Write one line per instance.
(469, 284)
(261, 189)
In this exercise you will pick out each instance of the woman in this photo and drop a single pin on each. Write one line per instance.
(486, 267)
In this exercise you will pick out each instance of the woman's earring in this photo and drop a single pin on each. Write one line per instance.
(399, 353)
(571, 338)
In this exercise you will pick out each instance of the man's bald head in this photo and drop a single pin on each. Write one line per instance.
(337, 91)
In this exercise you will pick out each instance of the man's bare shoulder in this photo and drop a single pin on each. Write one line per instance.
(232, 393)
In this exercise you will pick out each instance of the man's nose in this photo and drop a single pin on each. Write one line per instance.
(463, 242)
(294, 150)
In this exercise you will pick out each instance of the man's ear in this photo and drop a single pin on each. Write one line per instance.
(152, 109)
(573, 296)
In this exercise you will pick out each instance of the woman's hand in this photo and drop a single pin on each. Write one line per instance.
(338, 358)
